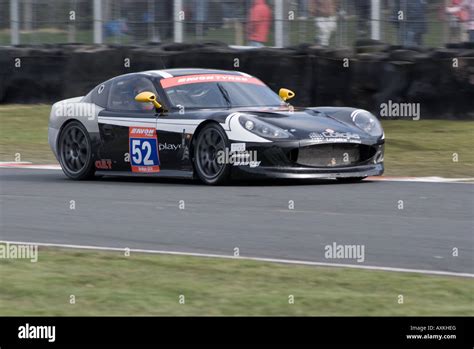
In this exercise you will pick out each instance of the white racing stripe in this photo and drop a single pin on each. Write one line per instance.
(245, 74)
(161, 73)
(231, 125)
(170, 125)
(257, 259)
(131, 121)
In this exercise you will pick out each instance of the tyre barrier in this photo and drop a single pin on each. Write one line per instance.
(368, 76)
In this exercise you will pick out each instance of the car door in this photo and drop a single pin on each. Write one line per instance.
(128, 128)
(174, 137)
(175, 127)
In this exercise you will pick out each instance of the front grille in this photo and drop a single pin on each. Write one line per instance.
(332, 155)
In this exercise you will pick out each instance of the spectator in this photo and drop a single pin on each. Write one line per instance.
(462, 12)
(416, 26)
(200, 13)
(164, 18)
(362, 10)
(412, 26)
(303, 9)
(258, 25)
(325, 19)
(470, 26)
(229, 10)
(116, 28)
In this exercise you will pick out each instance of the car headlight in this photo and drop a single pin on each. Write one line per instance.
(261, 128)
(367, 122)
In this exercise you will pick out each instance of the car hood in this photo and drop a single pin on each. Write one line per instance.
(310, 124)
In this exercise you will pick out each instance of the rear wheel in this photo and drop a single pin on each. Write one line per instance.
(351, 179)
(210, 141)
(75, 151)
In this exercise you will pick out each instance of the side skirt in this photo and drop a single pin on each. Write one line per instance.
(161, 174)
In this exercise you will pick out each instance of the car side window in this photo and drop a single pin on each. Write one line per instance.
(123, 92)
(100, 93)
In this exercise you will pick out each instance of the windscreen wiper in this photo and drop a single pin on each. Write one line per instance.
(225, 94)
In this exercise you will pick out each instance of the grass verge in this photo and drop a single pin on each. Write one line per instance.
(110, 283)
(413, 148)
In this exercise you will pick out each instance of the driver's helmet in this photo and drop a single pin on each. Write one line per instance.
(200, 90)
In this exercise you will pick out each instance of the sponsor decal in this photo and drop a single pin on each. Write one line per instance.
(234, 147)
(184, 148)
(138, 131)
(143, 147)
(103, 164)
(166, 146)
(200, 78)
(331, 136)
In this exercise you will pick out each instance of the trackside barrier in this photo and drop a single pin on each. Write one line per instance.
(368, 76)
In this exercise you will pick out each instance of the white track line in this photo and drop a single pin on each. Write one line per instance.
(258, 259)
(31, 166)
(421, 179)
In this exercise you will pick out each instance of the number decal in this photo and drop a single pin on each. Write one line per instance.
(146, 161)
(136, 153)
(143, 150)
(138, 149)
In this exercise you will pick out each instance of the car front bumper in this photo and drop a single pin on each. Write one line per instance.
(307, 173)
(293, 160)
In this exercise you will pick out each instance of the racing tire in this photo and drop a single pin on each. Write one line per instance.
(209, 142)
(350, 179)
(75, 152)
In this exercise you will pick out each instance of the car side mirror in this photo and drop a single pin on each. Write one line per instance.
(148, 97)
(286, 94)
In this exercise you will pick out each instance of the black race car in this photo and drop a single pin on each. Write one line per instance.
(210, 124)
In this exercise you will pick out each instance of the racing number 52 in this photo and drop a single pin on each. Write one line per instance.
(143, 147)
(138, 147)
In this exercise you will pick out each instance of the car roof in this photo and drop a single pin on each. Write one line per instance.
(168, 73)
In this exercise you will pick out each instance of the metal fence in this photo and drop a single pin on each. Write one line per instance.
(334, 23)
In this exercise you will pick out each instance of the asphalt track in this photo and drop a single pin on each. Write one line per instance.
(145, 214)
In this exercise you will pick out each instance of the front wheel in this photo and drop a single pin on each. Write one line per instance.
(210, 142)
(75, 151)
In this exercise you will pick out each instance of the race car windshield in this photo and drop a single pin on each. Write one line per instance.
(218, 93)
